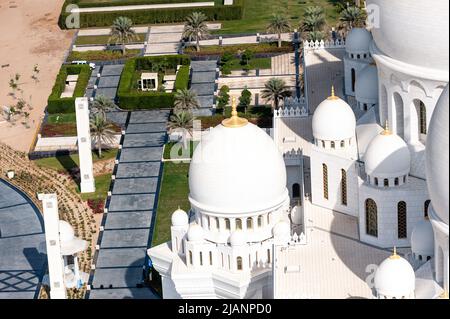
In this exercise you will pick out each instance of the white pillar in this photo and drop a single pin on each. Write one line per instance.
(55, 260)
(87, 184)
(228, 2)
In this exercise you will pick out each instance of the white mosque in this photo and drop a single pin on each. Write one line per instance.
(280, 217)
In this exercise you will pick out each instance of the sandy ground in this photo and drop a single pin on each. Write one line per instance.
(29, 36)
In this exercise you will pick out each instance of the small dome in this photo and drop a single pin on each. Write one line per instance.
(437, 158)
(237, 238)
(358, 41)
(395, 277)
(281, 229)
(387, 156)
(179, 218)
(66, 232)
(422, 238)
(333, 120)
(195, 233)
(366, 85)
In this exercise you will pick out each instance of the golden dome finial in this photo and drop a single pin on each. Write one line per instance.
(386, 130)
(332, 96)
(234, 120)
(394, 254)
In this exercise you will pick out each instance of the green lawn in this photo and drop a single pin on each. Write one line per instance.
(181, 152)
(101, 55)
(62, 118)
(174, 193)
(104, 39)
(102, 183)
(257, 13)
(257, 63)
(68, 162)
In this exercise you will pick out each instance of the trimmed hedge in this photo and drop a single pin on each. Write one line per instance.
(132, 100)
(56, 104)
(82, 4)
(153, 16)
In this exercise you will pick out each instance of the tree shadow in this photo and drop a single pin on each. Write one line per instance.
(70, 166)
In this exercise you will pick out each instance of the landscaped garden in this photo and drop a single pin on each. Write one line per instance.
(105, 39)
(132, 97)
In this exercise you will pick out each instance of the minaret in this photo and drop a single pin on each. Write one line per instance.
(52, 240)
(87, 183)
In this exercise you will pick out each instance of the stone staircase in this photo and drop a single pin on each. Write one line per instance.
(283, 64)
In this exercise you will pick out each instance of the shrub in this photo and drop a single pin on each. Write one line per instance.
(182, 80)
(246, 56)
(96, 205)
(223, 98)
(235, 49)
(55, 103)
(246, 98)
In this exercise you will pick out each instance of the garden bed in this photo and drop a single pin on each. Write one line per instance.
(102, 55)
(105, 39)
(236, 49)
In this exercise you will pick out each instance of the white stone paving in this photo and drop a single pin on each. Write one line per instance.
(144, 7)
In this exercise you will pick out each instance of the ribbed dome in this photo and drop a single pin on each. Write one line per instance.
(179, 218)
(237, 171)
(358, 41)
(195, 233)
(387, 156)
(414, 32)
(237, 238)
(366, 86)
(395, 277)
(333, 120)
(422, 238)
(437, 158)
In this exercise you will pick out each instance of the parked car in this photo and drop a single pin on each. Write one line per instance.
(91, 65)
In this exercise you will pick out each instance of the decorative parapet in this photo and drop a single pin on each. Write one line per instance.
(292, 107)
(298, 239)
(317, 45)
(293, 154)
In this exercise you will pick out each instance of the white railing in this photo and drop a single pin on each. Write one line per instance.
(317, 45)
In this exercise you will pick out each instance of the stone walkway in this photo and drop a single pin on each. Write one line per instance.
(22, 245)
(128, 224)
(107, 83)
(203, 79)
(145, 7)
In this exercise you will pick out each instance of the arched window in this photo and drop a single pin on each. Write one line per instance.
(238, 223)
(342, 144)
(229, 262)
(227, 224)
(268, 255)
(343, 187)
(401, 220)
(201, 258)
(386, 182)
(217, 223)
(371, 217)
(422, 118)
(249, 223)
(323, 144)
(353, 79)
(332, 144)
(239, 263)
(210, 258)
(396, 181)
(191, 261)
(260, 220)
(223, 266)
(268, 218)
(365, 106)
(358, 56)
(376, 181)
(296, 190)
(425, 208)
(325, 180)
(404, 179)
(209, 221)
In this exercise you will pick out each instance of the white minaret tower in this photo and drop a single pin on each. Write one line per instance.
(87, 184)
(55, 261)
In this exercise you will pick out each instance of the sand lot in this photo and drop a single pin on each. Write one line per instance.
(29, 36)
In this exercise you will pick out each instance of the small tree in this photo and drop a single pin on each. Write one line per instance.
(223, 97)
(102, 104)
(186, 100)
(315, 36)
(195, 28)
(122, 32)
(245, 99)
(313, 19)
(102, 132)
(353, 17)
(182, 120)
(275, 90)
(246, 56)
(279, 24)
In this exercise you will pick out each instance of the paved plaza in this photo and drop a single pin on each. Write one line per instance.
(22, 245)
(203, 83)
(128, 224)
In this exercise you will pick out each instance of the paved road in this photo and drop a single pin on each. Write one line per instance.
(128, 225)
(22, 245)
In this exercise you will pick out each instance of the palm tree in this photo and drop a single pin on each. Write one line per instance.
(195, 28)
(102, 104)
(353, 16)
(313, 19)
(102, 132)
(279, 24)
(186, 100)
(315, 36)
(274, 90)
(122, 32)
(182, 120)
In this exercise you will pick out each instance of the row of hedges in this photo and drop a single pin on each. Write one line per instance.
(153, 16)
(235, 49)
(55, 103)
(83, 4)
(145, 100)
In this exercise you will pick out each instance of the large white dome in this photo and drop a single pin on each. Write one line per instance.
(358, 41)
(237, 170)
(387, 156)
(366, 85)
(437, 157)
(415, 32)
(333, 120)
(422, 238)
(395, 277)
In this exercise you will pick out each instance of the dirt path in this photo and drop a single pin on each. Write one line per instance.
(30, 35)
